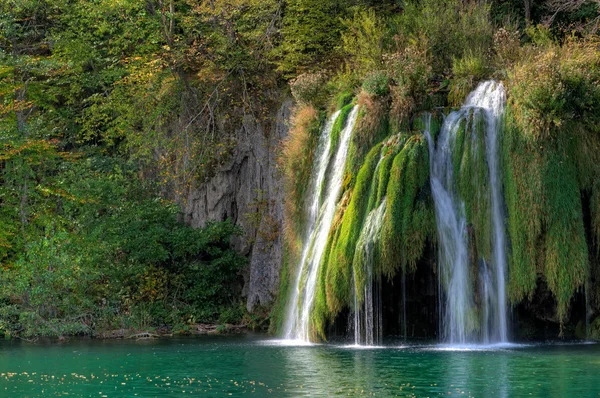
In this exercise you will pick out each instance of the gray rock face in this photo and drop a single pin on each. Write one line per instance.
(249, 191)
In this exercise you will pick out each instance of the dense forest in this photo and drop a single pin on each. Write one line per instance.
(113, 111)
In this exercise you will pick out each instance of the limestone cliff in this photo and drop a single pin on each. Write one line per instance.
(248, 190)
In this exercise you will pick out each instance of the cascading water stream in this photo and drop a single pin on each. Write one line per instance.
(490, 98)
(452, 230)
(321, 214)
(459, 310)
(368, 319)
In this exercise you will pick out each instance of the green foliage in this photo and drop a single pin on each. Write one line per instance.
(449, 29)
(362, 41)
(113, 255)
(524, 193)
(556, 88)
(467, 71)
(566, 257)
(311, 30)
(551, 145)
(545, 217)
(307, 87)
(376, 83)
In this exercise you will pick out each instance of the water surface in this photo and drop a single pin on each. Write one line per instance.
(250, 365)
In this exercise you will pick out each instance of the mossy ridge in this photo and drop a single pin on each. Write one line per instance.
(408, 219)
(339, 125)
(524, 197)
(339, 267)
(389, 149)
(320, 316)
(566, 249)
(472, 178)
(543, 186)
(367, 134)
(433, 119)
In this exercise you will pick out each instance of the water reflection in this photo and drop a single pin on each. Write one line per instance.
(436, 370)
(236, 367)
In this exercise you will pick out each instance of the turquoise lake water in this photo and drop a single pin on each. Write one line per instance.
(255, 366)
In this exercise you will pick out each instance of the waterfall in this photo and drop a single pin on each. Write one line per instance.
(368, 318)
(467, 317)
(320, 218)
(490, 98)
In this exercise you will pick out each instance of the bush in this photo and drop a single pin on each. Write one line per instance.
(377, 83)
(297, 161)
(467, 71)
(411, 71)
(124, 261)
(507, 47)
(363, 41)
(449, 28)
(307, 87)
(557, 87)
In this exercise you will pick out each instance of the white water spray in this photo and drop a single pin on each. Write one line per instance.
(367, 320)
(319, 222)
(459, 311)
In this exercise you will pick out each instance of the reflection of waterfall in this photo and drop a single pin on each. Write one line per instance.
(368, 323)
(320, 218)
(462, 319)
(468, 372)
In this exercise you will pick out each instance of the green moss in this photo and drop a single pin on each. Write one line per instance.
(343, 99)
(409, 213)
(277, 316)
(320, 315)
(339, 267)
(384, 175)
(524, 196)
(566, 257)
(472, 176)
(339, 125)
(545, 216)
(363, 140)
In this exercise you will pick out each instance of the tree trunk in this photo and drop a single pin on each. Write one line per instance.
(527, 5)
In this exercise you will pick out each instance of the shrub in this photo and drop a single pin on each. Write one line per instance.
(411, 70)
(377, 83)
(507, 47)
(556, 89)
(306, 87)
(363, 41)
(296, 161)
(467, 71)
(449, 29)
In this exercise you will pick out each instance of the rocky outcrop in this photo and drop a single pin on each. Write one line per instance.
(248, 191)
